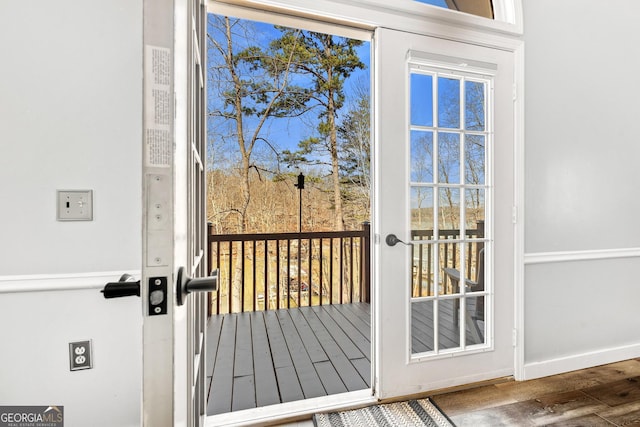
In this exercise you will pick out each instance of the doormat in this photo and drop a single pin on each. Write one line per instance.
(409, 413)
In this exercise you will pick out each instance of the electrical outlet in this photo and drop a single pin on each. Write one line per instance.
(80, 355)
(75, 205)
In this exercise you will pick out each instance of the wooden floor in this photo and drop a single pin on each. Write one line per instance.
(270, 357)
(607, 395)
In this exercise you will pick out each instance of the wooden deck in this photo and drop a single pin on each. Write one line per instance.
(269, 357)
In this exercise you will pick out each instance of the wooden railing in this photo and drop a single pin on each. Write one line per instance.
(282, 270)
(449, 256)
(271, 271)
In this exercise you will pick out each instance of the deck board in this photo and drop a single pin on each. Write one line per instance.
(307, 376)
(266, 392)
(220, 394)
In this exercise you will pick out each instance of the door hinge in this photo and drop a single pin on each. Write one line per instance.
(515, 92)
(514, 214)
(514, 337)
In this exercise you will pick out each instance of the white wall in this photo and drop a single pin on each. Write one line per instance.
(582, 228)
(70, 118)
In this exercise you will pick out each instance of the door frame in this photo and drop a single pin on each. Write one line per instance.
(368, 15)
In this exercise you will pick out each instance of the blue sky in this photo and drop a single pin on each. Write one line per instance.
(286, 133)
(440, 3)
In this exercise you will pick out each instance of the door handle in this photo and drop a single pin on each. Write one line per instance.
(393, 240)
(126, 286)
(186, 285)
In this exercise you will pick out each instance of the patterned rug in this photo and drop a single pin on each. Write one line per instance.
(410, 413)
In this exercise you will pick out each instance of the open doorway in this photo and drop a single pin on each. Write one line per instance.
(288, 202)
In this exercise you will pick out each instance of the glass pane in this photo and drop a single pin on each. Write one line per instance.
(421, 156)
(422, 326)
(449, 158)
(448, 102)
(482, 8)
(474, 205)
(421, 213)
(474, 159)
(475, 330)
(448, 324)
(451, 269)
(474, 106)
(422, 282)
(421, 100)
(449, 208)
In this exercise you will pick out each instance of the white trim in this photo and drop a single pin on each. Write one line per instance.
(60, 282)
(409, 17)
(519, 200)
(580, 361)
(569, 256)
(287, 410)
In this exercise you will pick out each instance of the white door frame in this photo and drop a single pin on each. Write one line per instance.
(371, 14)
(173, 392)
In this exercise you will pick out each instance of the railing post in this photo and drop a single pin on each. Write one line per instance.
(365, 281)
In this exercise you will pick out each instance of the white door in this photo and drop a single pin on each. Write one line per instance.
(444, 119)
(174, 374)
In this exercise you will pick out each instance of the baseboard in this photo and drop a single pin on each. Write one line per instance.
(580, 361)
(60, 282)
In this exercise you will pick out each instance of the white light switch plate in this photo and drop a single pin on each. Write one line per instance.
(75, 205)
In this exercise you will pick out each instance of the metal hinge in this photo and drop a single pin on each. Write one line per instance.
(515, 91)
(514, 337)
(514, 214)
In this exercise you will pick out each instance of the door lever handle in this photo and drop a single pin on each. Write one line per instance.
(186, 285)
(393, 240)
(125, 287)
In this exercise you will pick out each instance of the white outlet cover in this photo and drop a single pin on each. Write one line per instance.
(75, 205)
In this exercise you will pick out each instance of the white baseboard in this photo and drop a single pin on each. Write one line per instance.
(60, 282)
(580, 361)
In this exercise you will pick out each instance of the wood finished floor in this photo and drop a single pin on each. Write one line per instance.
(607, 395)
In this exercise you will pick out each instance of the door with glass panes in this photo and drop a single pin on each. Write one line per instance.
(445, 140)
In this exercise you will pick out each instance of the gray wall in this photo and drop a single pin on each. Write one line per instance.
(582, 182)
(70, 118)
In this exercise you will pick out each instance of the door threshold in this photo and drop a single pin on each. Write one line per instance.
(292, 411)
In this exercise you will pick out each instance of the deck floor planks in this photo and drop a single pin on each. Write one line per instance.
(213, 336)
(361, 318)
(220, 395)
(266, 385)
(288, 383)
(307, 375)
(311, 343)
(345, 342)
(292, 358)
(243, 363)
(356, 336)
(349, 375)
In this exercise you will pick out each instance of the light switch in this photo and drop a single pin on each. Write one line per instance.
(75, 205)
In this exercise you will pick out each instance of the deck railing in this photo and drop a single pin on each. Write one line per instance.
(270, 271)
(449, 255)
(282, 270)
